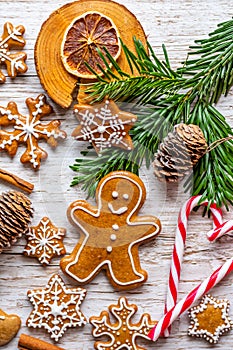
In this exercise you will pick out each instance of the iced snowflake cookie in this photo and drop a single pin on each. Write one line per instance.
(9, 326)
(12, 37)
(45, 241)
(28, 130)
(122, 332)
(104, 126)
(111, 232)
(209, 320)
(56, 307)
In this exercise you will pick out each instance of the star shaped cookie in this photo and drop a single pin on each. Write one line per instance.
(104, 125)
(56, 307)
(45, 241)
(210, 319)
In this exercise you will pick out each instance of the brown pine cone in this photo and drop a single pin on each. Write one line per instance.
(179, 152)
(15, 215)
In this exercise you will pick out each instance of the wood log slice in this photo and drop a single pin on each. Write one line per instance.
(57, 82)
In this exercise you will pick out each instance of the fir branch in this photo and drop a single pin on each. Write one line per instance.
(213, 175)
(186, 95)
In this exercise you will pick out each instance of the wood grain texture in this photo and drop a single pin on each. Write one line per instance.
(177, 24)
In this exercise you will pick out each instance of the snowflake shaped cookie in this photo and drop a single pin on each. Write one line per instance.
(122, 333)
(45, 241)
(56, 307)
(28, 130)
(104, 126)
(12, 37)
(210, 319)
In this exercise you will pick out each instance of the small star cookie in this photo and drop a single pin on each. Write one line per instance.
(56, 307)
(104, 125)
(45, 241)
(210, 319)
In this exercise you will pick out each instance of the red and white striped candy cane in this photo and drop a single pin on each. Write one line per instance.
(178, 251)
(221, 230)
(188, 301)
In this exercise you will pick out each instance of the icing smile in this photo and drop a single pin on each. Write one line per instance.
(119, 211)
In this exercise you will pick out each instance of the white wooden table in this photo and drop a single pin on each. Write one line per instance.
(177, 24)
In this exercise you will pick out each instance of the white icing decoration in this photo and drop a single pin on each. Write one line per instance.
(109, 249)
(114, 194)
(108, 262)
(109, 127)
(16, 62)
(115, 227)
(113, 237)
(125, 196)
(44, 240)
(51, 307)
(123, 315)
(118, 211)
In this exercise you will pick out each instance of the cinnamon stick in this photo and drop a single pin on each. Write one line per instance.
(16, 181)
(26, 342)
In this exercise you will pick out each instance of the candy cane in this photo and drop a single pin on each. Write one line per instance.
(188, 301)
(178, 251)
(221, 230)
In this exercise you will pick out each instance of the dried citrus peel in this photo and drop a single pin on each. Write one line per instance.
(88, 33)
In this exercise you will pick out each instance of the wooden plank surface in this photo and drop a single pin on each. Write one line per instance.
(177, 24)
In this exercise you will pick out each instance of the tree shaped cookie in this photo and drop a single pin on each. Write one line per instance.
(28, 130)
(111, 233)
(122, 332)
(12, 37)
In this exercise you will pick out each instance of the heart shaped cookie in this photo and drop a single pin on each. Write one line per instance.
(9, 326)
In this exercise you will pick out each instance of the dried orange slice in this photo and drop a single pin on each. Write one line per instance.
(86, 34)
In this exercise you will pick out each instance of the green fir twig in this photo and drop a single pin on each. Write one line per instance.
(185, 95)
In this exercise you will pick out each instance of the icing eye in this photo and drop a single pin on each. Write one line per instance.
(125, 196)
(114, 194)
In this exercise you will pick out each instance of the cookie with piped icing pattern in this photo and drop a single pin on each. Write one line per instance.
(111, 233)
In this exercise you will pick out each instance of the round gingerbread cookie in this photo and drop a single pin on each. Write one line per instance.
(111, 232)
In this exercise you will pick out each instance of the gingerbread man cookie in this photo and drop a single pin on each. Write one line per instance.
(111, 233)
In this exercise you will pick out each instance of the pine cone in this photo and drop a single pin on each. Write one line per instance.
(179, 152)
(15, 215)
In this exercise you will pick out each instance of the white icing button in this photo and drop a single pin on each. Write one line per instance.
(113, 237)
(114, 194)
(125, 196)
(115, 227)
(109, 249)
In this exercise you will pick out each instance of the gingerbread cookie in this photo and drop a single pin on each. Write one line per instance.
(209, 320)
(29, 130)
(104, 125)
(122, 332)
(111, 232)
(45, 241)
(56, 307)
(9, 326)
(12, 37)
